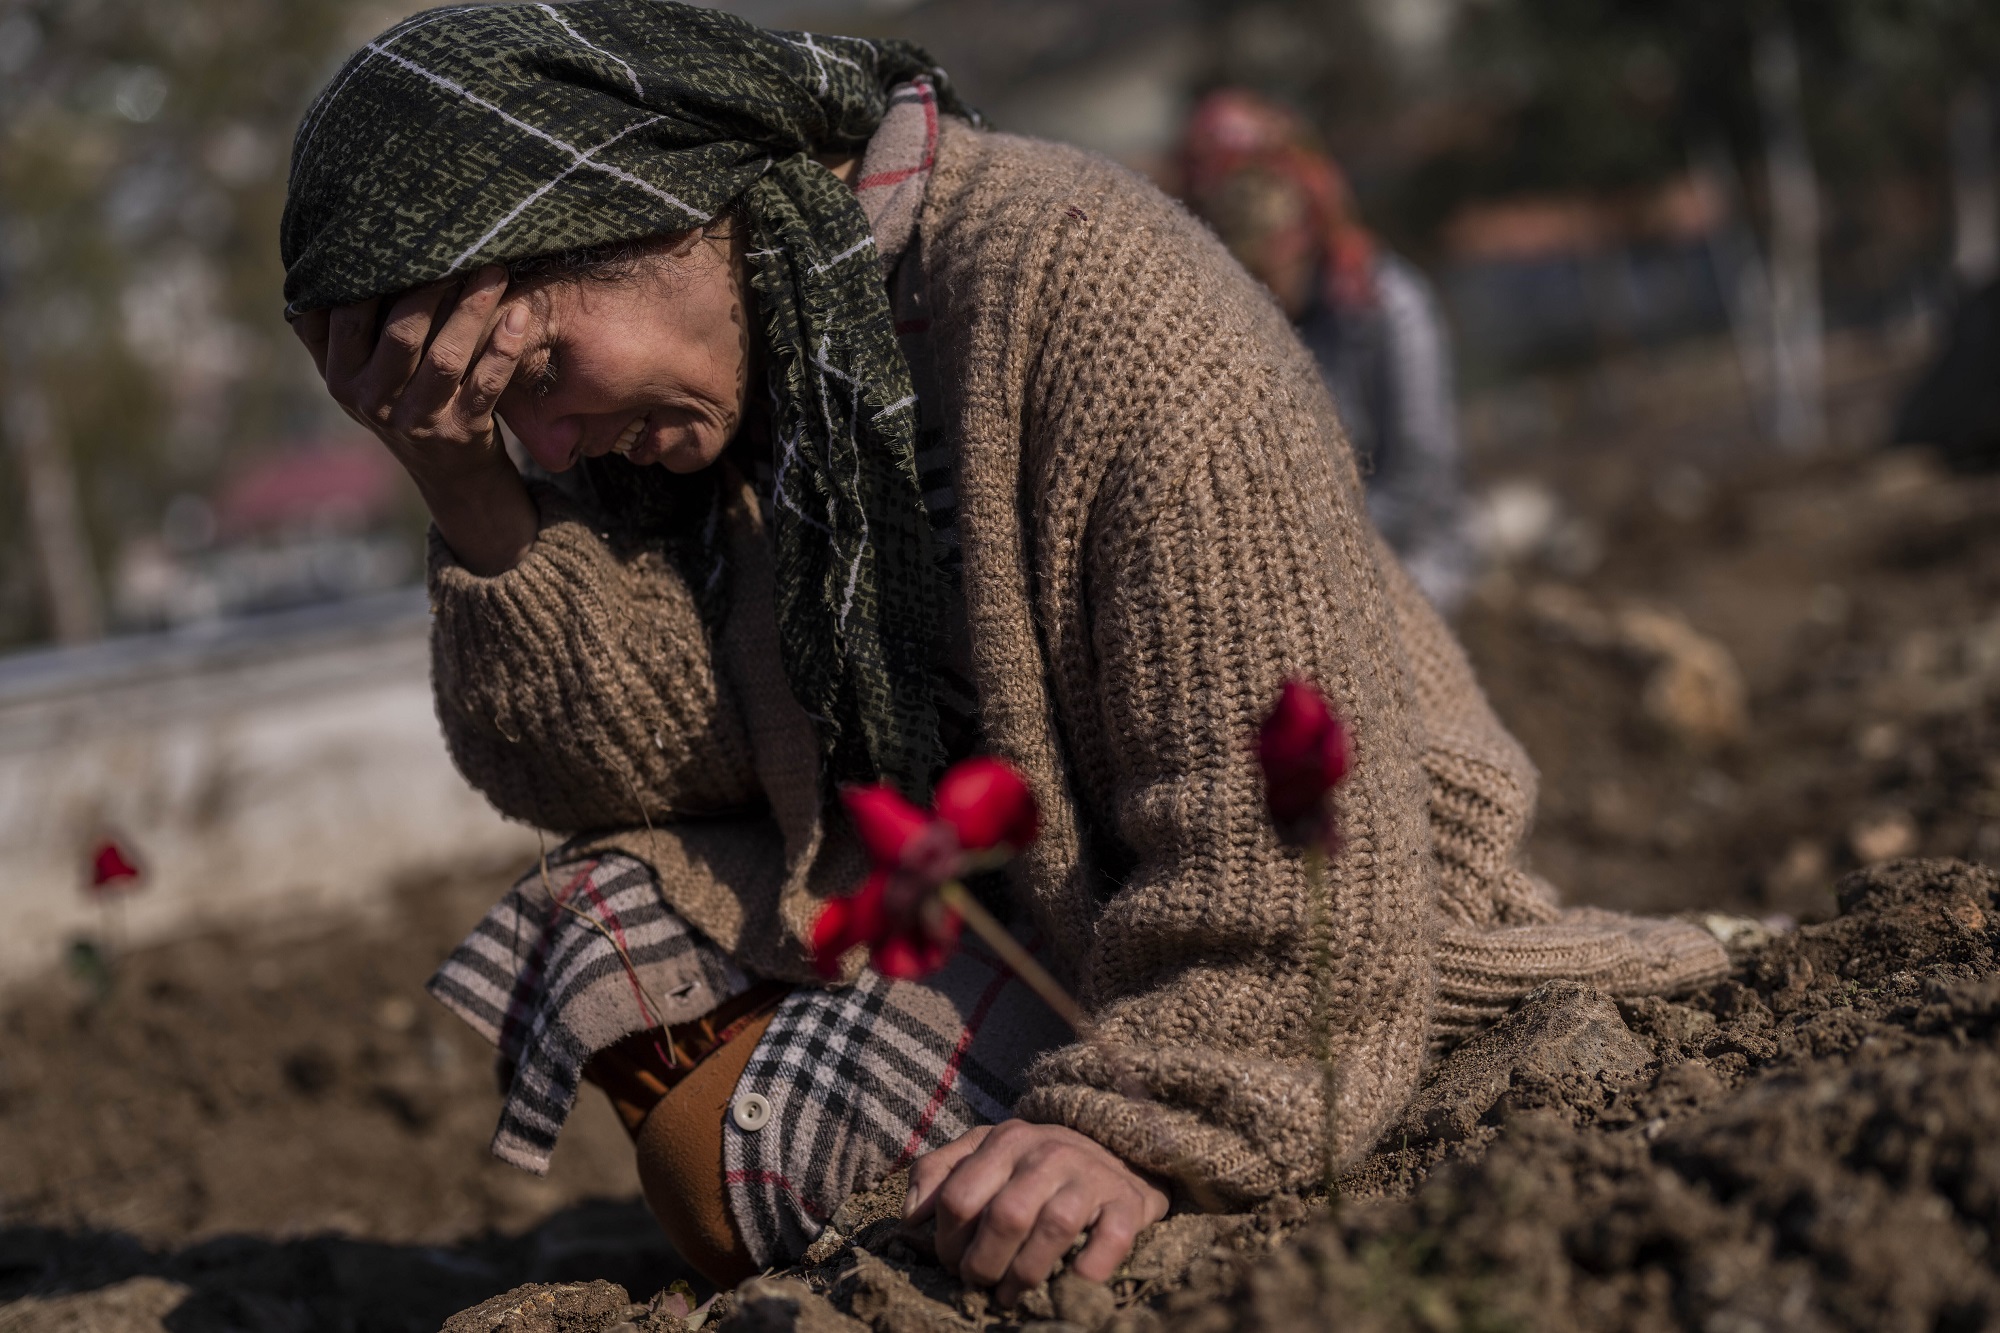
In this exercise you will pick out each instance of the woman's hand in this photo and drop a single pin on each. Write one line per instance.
(1011, 1199)
(426, 388)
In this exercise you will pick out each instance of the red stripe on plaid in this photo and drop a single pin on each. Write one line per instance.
(950, 1075)
(563, 895)
(746, 1177)
(528, 983)
(617, 928)
(881, 178)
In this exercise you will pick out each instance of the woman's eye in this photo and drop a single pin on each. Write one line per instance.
(542, 380)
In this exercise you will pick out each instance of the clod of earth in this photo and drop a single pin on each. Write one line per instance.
(1812, 1143)
(1693, 693)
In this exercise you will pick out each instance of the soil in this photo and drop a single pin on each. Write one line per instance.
(1754, 685)
(248, 1132)
(1859, 600)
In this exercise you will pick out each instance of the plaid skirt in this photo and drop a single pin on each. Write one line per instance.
(845, 1087)
(860, 1081)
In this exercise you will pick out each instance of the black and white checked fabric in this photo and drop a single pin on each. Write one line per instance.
(860, 1081)
(543, 979)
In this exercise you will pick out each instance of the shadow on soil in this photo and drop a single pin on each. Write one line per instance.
(97, 1279)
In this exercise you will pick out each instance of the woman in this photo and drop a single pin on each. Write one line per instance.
(1368, 317)
(878, 439)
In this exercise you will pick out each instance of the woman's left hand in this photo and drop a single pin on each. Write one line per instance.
(1011, 1199)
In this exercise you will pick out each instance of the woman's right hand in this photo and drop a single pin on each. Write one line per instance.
(426, 389)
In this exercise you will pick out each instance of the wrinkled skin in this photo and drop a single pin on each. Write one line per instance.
(1009, 1200)
(654, 364)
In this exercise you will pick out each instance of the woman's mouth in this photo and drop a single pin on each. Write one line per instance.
(628, 437)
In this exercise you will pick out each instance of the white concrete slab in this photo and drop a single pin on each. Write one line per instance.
(285, 766)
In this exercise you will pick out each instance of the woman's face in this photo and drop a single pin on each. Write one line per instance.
(1266, 222)
(654, 365)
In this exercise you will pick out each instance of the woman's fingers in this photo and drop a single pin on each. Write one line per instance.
(999, 1230)
(311, 328)
(1012, 1203)
(405, 334)
(1063, 1211)
(455, 344)
(1117, 1225)
(964, 1197)
(350, 342)
(930, 1171)
(495, 367)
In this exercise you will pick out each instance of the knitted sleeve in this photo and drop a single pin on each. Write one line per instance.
(578, 689)
(1503, 931)
(1253, 1029)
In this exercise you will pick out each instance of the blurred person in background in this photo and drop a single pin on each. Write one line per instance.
(1955, 404)
(1369, 318)
(867, 440)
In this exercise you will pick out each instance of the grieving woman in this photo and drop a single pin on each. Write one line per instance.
(858, 439)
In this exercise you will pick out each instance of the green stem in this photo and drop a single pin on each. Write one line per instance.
(957, 897)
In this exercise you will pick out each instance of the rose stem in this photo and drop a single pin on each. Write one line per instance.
(957, 897)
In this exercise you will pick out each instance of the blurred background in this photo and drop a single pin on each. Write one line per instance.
(1581, 180)
(1718, 280)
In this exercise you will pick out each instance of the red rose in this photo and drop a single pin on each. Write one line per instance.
(1303, 750)
(982, 814)
(111, 871)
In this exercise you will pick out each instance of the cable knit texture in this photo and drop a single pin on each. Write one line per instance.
(1161, 520)
(1502, 931)
(579, 690)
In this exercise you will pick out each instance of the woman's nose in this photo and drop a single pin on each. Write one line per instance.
(552, 441)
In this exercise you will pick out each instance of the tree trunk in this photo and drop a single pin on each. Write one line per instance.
(1975, 187)
(55, 519)
(1797, 324)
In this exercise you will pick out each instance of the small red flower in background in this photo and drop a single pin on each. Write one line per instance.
(1303, 750)
(981, 815)
(112, 871)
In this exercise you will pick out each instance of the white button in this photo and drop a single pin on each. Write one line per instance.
(751, 1112)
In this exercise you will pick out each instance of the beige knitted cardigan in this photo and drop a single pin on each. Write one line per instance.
(1161, 520)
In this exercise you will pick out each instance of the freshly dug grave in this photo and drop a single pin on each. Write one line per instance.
(1813, 1143)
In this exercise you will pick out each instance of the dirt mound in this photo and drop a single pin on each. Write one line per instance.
(1813, 1143)
(1812, 1147)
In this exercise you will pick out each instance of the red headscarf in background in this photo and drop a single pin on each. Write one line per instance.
(1233, 131)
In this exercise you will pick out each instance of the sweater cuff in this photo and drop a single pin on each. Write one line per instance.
(562, 534)
(1260, 1128)
(1483, 973)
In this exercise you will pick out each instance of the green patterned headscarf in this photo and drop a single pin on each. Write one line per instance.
(487, 134)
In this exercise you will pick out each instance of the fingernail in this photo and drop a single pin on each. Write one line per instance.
(517, 319)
